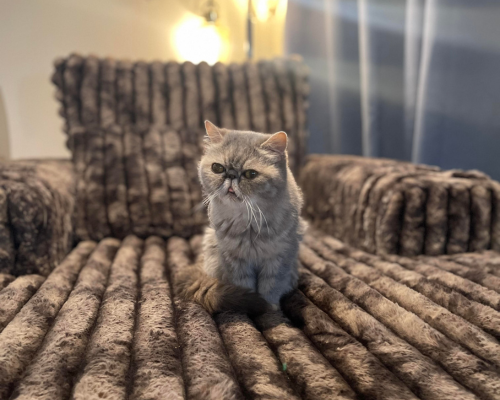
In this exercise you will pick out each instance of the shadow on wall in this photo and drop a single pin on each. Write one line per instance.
(4, 131)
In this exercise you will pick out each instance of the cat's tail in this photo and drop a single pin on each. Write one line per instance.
(215, 296)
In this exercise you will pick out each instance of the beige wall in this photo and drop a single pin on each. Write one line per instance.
(35, 32)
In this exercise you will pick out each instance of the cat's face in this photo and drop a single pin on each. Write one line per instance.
(243, 165)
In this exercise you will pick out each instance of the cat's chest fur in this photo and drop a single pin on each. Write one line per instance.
(244, 233)
(244, 241)
(244, 250)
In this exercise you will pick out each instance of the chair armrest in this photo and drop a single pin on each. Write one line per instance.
(36, 206)
(393, 207)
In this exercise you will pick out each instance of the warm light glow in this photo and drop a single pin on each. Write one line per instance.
(196, 41)
(261, 9)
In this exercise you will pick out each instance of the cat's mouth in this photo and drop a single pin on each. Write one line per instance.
(231, 193)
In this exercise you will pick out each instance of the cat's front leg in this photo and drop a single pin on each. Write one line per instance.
(240, 274)
(273, 282)
(246, 281)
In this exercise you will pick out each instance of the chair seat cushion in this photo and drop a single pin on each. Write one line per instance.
(105, 324)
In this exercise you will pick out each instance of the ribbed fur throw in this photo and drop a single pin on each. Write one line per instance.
(135, 131)
(391, 207)
(107, 324)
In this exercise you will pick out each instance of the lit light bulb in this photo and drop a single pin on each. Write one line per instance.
(196, 41)
(261, 10)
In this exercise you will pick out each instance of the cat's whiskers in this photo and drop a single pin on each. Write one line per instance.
(260, 220)
(248, 214)
(259, 226)
(209, 198)
(255, 218)
(212, 196)
(205, 202)
(262, 215)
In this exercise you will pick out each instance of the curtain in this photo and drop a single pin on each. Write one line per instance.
(415, 80)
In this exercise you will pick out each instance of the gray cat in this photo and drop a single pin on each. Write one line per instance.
(254, 204)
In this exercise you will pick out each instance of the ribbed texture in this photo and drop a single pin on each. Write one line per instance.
(105, 324)
(13, 298)
(36, 203)
(23, 336)
(5, 279)
(135, 131)
(391, 207)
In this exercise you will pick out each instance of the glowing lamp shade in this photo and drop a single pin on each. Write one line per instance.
(196, 41)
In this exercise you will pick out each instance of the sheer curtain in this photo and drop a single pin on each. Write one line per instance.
(415, 80)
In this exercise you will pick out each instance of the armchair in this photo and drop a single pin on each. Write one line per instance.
(399, 288)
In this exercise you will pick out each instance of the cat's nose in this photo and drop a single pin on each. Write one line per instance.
(232, 174)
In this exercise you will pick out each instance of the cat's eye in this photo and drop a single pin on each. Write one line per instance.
(250, 174)
(217, 168)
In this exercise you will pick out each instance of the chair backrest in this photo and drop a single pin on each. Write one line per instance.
(266, 96)
(135, 131)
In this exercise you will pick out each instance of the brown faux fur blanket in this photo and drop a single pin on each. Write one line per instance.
(36, 205)
(392, 207)
(104, 324)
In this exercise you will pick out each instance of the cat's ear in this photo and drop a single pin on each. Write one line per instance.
(276, 143)
(215, 134)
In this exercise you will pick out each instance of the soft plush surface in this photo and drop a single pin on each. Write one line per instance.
(391, 207)
(135, 132)
(36, 204)
(104, 324)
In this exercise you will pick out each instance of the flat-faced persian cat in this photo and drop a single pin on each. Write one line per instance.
(250, 248)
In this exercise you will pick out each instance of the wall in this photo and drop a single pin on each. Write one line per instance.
(35, 32)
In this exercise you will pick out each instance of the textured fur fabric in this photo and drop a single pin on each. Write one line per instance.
(106, 324)
(135, 132)
(36, 203)
(391, 207)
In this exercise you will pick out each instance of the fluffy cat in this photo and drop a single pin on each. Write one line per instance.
(250, 248)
